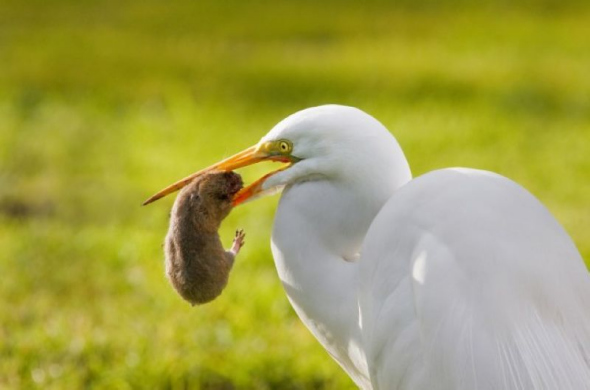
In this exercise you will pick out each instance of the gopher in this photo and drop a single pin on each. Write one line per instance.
(197, 265)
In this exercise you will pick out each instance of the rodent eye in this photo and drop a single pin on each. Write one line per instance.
(284, 146)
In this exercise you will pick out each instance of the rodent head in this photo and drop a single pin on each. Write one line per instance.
(217, 190)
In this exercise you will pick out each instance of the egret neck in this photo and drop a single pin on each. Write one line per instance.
(317, 257)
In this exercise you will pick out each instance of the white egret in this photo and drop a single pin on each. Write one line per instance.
(458, 279)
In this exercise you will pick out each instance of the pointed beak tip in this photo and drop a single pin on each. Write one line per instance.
(155, 197)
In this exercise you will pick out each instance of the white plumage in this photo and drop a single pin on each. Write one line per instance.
(464, 279)
(456, 280)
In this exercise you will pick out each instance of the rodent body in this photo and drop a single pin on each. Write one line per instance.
(197, 265)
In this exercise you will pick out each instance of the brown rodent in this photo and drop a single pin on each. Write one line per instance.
(197, 265)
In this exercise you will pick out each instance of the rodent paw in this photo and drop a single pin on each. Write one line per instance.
(238, 241)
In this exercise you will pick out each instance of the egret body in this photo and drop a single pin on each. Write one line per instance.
(458, 279)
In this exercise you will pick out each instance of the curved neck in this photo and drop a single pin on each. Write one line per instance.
(319, 227)
(319, 283)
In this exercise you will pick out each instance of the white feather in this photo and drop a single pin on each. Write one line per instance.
(465, 281)
(501, 297)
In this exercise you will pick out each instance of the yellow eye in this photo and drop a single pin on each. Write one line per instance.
(284, 146)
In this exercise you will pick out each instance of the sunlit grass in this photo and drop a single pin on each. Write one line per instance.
(102, 104)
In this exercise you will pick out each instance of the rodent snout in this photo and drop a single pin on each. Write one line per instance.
(234, 182)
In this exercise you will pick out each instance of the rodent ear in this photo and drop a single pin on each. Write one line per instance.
(198, 184)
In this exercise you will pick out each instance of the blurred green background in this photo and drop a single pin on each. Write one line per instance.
(104, 102)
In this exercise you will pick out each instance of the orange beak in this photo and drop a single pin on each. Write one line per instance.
(250, 156)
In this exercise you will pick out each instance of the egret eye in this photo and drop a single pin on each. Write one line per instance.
(284, 146)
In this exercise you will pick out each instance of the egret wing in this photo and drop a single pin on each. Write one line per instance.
(467, 282)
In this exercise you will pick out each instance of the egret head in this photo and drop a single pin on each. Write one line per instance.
(321, 143)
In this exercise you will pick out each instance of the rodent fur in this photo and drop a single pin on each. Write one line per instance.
(197, 265)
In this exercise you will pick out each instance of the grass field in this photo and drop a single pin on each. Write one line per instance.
(102, 103)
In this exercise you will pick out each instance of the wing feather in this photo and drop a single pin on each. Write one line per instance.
(468, 282)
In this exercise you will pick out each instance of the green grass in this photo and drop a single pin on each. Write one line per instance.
(102, 103)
